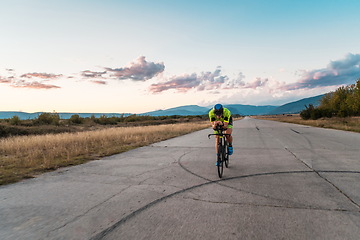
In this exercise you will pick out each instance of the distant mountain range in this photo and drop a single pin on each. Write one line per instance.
(289, 108)
(182, 111)
(297, 106)
(197, 110)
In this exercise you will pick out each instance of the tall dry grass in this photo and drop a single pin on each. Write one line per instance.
(22, 157)
(347, 124)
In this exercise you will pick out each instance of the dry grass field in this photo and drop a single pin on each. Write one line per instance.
(25, 156)
(347, 124)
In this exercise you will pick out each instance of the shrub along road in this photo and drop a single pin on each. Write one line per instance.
(285, 181)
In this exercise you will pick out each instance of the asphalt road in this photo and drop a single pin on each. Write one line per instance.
(285, 181)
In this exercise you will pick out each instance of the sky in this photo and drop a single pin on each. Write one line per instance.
(135, 56)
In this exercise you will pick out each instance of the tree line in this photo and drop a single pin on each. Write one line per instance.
(343, 102)
(51, 123)
(54, 119)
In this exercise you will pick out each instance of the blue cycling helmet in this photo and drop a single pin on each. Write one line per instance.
(218, 109)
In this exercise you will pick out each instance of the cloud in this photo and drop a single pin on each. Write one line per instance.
(344, 71)
(23, 81)
(186, 82)
(207, 81)
(180, 83)
(99, 82)
(258, 82)
(34, 85)
(236, 83)
(140, 70)
(91, 74)
(41, 75)
(212, 80)
(4, 80)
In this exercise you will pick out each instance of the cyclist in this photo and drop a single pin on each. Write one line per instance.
(222, 116)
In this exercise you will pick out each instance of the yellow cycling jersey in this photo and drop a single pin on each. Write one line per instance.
(226, 116)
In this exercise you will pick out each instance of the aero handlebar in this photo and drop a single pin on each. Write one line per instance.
(220, 129)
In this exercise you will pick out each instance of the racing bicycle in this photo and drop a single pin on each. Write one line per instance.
(222, 150)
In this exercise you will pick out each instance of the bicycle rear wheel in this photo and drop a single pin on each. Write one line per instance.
(220, 166)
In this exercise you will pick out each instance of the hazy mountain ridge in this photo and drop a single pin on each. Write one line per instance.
(182, 110)
(249, 109)
(297, 106)
(289, 108)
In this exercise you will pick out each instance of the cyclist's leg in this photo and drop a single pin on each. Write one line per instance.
(216, 144)
(216, 141)
(229, 138)
(218, 151)
(229, 131)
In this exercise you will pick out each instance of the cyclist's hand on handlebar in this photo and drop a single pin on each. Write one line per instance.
(218, 125)
(215, 125)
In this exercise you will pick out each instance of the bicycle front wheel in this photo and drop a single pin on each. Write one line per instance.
(220, 166)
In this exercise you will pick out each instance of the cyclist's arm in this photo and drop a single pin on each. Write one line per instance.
(213, 121)
(227, 116)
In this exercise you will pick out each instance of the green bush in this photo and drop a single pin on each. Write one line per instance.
(15, 120)
(104, 120)
(306, 114)
(76, 119)
(47, 119)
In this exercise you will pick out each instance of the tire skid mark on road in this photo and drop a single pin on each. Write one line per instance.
(327, 180)
(153, 203)
(109, 198)
(318, 172)
(313, 153)
(87, 211)
(227, 186)
(303, 206)
(295, 131)
(275, 206)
